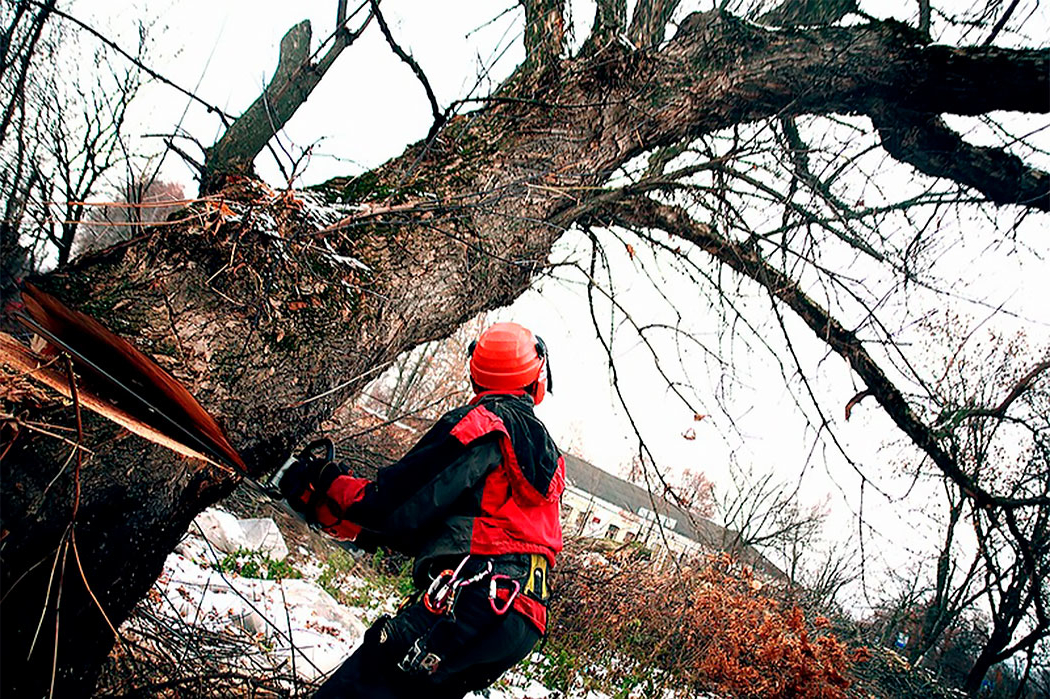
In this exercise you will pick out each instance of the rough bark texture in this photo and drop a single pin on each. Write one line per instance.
(249, 306)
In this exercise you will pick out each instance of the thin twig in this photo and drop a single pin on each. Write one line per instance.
(136, 62)
(439, 116)
(58, 612)
(291, 638)
(346, 383)
(83, 576)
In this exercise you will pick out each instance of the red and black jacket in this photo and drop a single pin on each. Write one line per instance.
(485, 480)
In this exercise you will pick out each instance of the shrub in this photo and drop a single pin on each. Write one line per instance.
(630, 628)
(380, 579)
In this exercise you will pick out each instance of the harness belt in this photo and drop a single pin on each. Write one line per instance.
(510, 586)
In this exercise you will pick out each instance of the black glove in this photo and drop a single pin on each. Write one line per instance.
(307, 480)
(295, 484)
(306, 483)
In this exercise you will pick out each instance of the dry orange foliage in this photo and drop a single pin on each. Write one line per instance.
(622, 627)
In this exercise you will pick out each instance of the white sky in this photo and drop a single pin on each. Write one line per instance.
(370, 106)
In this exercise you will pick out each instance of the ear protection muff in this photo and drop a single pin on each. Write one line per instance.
(541, 352)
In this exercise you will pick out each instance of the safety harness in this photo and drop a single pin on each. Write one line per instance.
(504, 593)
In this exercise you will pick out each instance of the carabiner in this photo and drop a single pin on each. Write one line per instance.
(441, 594)
(437, 597)
(494, 589)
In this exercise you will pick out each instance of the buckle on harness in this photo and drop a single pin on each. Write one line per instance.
(418, 661)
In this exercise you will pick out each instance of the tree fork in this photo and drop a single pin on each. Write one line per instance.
(266, 316)
(293, 81)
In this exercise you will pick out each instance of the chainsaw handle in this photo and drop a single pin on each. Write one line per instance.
(322, 443)
(311, 450)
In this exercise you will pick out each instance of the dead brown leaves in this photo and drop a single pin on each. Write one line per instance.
(710, 626)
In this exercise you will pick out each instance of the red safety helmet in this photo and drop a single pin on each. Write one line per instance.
(508, 357)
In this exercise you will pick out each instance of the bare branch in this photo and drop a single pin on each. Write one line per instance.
(1000, 410)
(41, 18)
(250, 133)
(610, 21)
(1023, 385)
(342, 37)
(855, 400)
(439, 117)
(293, 81)
(976, 80)
(924, 17)
(139, 64)
(746, 260)
(863, 69)
(1001, 23)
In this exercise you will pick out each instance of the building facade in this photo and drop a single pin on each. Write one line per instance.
(598, 505)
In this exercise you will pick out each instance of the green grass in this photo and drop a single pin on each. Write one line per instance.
(254, 564)
(340, 565)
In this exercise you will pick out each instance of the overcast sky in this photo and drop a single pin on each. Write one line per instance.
(370, 106)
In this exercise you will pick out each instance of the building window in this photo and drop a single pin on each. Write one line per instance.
(629, 536)
(612, 532)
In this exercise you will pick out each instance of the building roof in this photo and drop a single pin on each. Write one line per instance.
(628, 496)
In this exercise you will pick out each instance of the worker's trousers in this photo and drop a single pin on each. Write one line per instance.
(421, 655)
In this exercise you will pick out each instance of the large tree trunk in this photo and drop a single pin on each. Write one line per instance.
(989, 656)
(255, 305)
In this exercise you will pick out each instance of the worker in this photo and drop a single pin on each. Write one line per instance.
(477, 503)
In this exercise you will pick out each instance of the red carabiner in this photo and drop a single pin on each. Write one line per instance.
(441, 595)
(494, 589)
(437, 597)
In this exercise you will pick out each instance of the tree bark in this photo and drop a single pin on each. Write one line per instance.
(261, 303)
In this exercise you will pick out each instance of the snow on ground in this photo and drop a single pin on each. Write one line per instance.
(291, 616)
(295, 621)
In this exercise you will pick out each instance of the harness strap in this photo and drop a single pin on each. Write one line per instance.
(533, 610)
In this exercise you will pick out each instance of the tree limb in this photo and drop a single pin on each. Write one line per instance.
(289, 88)
(925, 141)
(975, 80)
(291, 85)
(544, 30)
(342, 36)
(439, 117)
(610, 21)
(924, 17)
(1001, 23)
(649, 22)
(719, 71)
(645, 212)
(792, 13)
(1016, 392)
(1023, 385)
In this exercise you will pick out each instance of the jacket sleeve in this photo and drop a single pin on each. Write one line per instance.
(400, 507)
